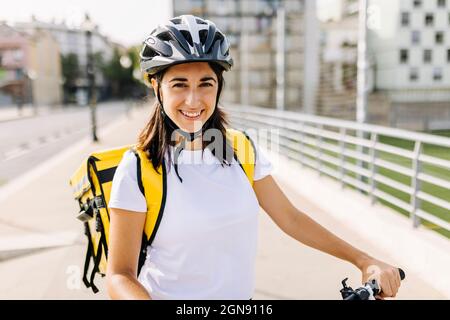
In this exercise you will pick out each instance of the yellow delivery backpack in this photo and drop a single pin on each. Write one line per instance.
(91, 184)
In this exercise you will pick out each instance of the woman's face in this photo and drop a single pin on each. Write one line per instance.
(188, 92)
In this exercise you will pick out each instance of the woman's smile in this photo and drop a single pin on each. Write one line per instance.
(191, 116)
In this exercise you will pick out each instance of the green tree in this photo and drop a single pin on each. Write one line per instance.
(120, 74)
(70, 69)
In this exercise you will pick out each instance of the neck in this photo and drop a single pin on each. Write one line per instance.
(196, 144)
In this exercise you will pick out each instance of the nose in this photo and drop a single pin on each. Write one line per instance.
(192, 99)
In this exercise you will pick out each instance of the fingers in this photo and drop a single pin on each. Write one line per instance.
(390, 283)
(386, 288)
(394, 281)
(397, 280)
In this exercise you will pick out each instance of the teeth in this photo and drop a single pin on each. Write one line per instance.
(190, 114)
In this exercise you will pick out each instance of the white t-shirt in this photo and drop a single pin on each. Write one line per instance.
(205, 246)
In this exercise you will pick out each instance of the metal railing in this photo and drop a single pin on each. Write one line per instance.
(365, 157)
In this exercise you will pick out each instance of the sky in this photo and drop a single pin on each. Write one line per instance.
(328, 9)
(126, 22)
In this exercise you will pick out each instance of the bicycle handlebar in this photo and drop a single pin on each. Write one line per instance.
(367, 292)
(402, 274)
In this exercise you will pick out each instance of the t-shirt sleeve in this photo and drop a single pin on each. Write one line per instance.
(125, 192)
(263, 166)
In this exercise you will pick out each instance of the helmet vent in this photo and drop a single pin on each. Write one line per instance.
(187, 36)
(218, 37)
(200, 21)
(148, 52)
(176, 21)
(165, 36)
(203, 35)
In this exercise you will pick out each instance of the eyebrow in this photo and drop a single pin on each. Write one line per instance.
(185, 80)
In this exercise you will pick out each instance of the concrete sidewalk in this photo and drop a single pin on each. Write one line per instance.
(40, 206)
(9, 113)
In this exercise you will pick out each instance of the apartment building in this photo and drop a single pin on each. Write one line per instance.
(251, 27)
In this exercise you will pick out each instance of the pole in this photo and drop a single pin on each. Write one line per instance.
(311, 65)
(281, 57)
(361, 102)
(362, 64)
(92, 96)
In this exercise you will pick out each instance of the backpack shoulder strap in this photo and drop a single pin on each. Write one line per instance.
(244, 150)
(153, 185)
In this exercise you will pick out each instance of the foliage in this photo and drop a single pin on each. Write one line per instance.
(70, 69)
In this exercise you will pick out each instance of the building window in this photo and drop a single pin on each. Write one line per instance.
(427, 56)
(439, 37)
(415, 37)
(414, 74)
(403, 56)
(441, 3)
(437, 74)
(417, 3)
(405, 19)
(17, 55)
(429, 19)
(18, 74)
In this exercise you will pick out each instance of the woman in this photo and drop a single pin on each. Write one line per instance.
(205, 246)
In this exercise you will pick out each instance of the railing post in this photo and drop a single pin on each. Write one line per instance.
(373, 168)
(343, 133)
(319, 140)
(301, 144)
(415, 184)
(361, 151)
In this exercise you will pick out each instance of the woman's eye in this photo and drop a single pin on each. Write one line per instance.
(183, 85)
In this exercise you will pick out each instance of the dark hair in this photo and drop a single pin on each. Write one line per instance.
(155, 137)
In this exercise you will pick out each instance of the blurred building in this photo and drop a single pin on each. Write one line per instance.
(337, 93)
(73, 40)
(251, 26)
(338, 66)
(409, 45)
(30, 67)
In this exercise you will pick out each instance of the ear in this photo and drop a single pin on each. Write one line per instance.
(155, 86)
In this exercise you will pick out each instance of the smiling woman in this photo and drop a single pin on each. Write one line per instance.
(206, 243)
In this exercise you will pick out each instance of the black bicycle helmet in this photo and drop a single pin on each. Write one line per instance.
(185, 38)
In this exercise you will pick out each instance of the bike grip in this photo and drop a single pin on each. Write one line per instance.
(402, 274)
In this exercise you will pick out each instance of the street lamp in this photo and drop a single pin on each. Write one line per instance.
(88, 27)
(125, 61)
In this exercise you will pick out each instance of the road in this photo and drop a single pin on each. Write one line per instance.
(25, 143)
